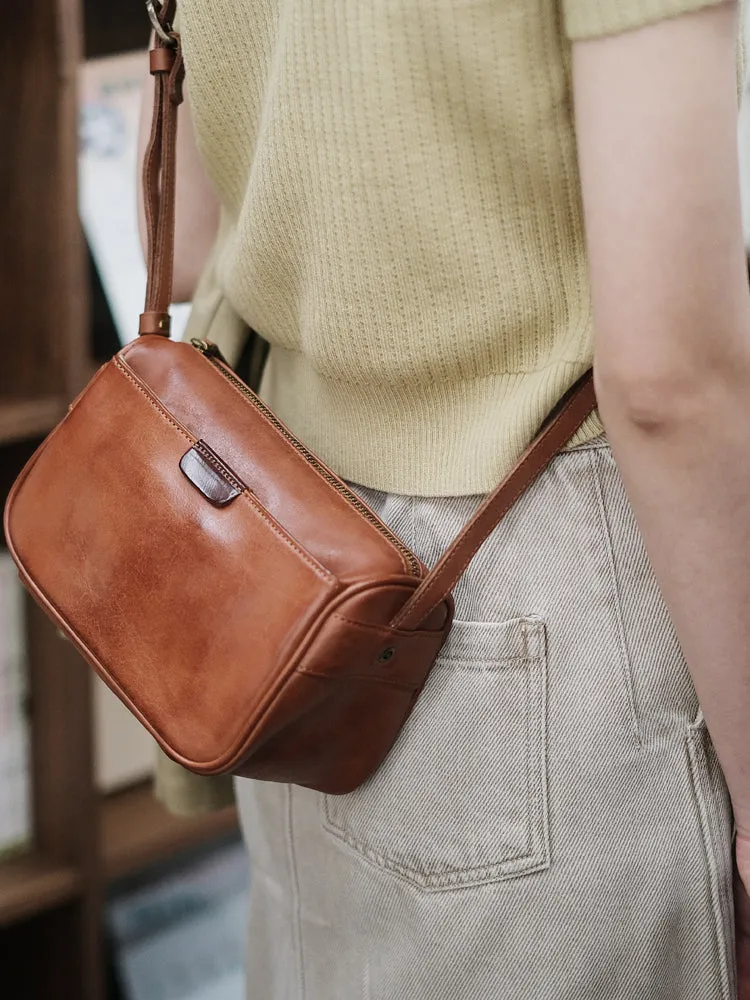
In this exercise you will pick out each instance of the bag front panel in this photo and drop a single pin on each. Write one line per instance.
(311, 506)
(188, 610)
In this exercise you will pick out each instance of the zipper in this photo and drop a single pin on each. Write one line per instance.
(212, 353)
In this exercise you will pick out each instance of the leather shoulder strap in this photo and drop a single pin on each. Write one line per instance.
(557, 430)
(159, 169)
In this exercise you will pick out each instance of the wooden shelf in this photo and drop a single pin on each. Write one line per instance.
(137, 831)
(27, 418)
(52, 911)
(30, 884)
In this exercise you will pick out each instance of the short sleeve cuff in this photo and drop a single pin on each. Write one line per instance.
(595, 18)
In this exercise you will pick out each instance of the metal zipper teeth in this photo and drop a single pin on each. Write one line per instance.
(351, 498)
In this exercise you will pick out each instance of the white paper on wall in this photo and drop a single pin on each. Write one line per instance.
(15, 778)
(124, 752)
(110, 98)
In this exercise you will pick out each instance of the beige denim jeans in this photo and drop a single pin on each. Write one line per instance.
(552, 823)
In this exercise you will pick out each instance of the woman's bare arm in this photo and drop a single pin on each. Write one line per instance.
(656, 119)
(196, 208)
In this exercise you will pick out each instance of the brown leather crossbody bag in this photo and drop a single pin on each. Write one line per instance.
(253, 613)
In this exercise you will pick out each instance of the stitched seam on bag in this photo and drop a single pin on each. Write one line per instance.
(130, 376)
(318, 570)
(218, 466)
(384, 631)
(322, 478)
(246, 495)
(531, 476)
(343, 678)
(706, 840)
(626, 662)
(93, 657)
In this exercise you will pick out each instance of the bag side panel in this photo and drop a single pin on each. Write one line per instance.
(341, 711)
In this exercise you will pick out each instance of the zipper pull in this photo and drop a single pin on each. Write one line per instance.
(208, 349)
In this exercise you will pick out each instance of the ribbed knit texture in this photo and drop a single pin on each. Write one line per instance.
(403, 219)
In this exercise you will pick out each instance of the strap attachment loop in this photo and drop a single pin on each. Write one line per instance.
(157, 15)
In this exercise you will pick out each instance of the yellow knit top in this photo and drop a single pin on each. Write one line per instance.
(402, 219)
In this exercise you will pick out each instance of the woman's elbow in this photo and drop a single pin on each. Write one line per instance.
(656, 392)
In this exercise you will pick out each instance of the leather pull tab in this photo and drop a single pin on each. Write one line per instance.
(210, 475)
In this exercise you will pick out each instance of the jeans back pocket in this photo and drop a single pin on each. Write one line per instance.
(461, 799)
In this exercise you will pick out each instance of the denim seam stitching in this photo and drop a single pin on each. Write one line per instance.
(495, 872)
(467, 662)
(626, 665)
(296, 901)
(413, 526)
(693, 735)
(509, 867)
(540, 636)
(529, 739)
(541, 806)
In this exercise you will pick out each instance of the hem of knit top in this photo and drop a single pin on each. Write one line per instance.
(444, 442)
